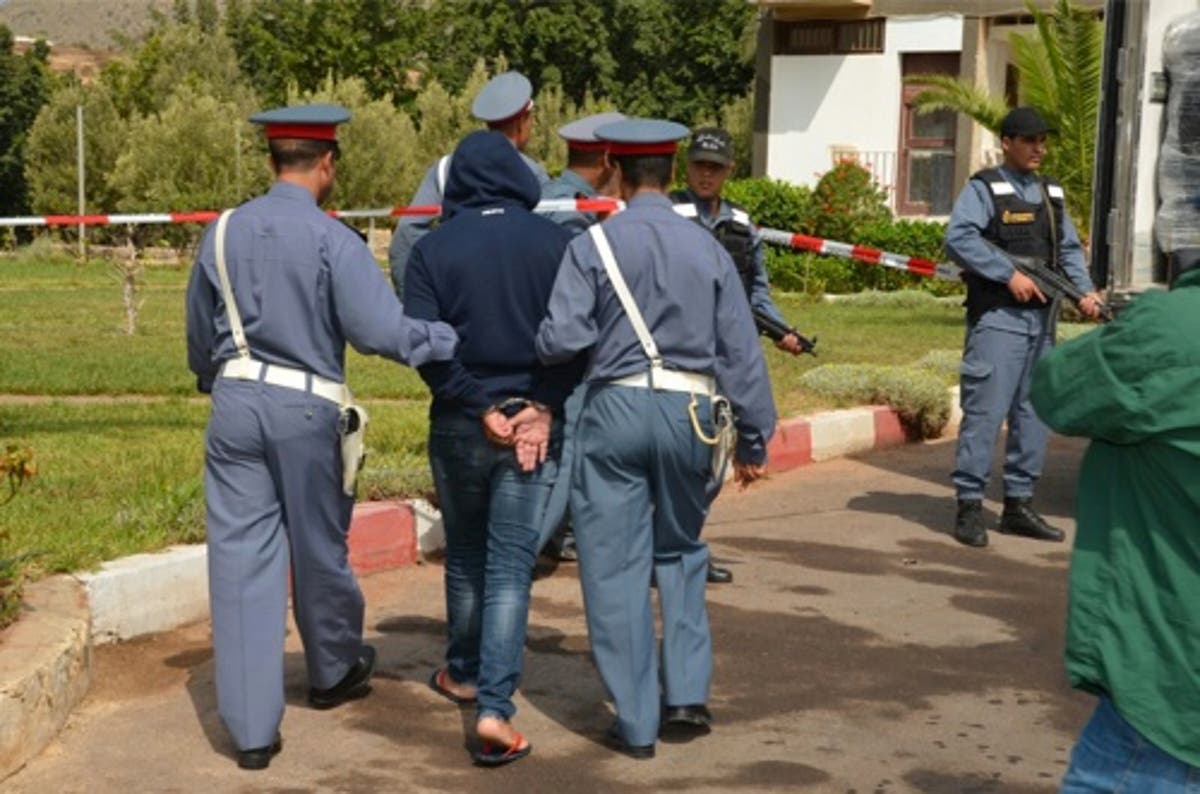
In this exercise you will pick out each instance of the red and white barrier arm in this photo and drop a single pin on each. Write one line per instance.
(207, 216)
(799, 242)
(861, 253)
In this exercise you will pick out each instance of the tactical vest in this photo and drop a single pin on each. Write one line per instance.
(1018, 227)
(735, 234)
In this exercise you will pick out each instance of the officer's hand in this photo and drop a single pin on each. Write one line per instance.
(1023, 288)
(1090, 305)
(531, 429)
(498, 428)
(790, 344)
(746, 473)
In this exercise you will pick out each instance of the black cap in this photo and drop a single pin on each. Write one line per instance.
(1023, 122)
(712, 144)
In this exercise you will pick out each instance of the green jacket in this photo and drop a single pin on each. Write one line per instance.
(1133, 620)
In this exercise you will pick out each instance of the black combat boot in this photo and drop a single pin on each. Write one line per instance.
(968, 526)
(1019, 518)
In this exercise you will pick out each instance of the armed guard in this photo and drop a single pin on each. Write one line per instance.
(656, 302)
(277, 290)
(710, 161)
(1010, 323)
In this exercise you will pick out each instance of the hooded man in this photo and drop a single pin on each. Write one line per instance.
(496, 419)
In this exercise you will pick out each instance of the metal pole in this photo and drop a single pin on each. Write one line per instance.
(237, 160)
(79, 166)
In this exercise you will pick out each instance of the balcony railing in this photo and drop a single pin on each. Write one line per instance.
(881, 165)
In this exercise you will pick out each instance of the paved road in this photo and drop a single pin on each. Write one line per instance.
(859, 651)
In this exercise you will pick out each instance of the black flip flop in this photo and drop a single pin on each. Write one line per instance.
(497, 755)
(436, 686)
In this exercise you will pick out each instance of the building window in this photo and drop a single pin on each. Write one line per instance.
(925, 182)
(829, 37)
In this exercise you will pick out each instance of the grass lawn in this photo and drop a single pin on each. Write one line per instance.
(115, 479)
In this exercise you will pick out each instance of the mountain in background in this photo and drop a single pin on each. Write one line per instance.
(86, 23)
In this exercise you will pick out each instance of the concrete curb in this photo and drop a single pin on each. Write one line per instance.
(45, 669)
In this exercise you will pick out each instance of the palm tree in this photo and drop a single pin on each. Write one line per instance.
(1059, 74)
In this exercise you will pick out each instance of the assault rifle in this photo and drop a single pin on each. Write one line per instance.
(776, 331)
(1052, 283)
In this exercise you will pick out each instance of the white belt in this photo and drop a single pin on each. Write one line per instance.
(287, 377)
(671, 380)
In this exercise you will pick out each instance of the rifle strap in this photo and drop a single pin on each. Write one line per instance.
(1054, 241)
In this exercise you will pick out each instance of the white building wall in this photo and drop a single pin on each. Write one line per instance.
(824, 103)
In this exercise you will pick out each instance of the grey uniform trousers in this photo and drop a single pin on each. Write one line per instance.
(638, 501)
(995, 377)
(273, 491)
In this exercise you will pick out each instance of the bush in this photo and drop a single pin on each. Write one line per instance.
(772, 203)
(918, 396)
(846, 201)
(943, 363)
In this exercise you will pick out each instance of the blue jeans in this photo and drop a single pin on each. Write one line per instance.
(1112, 757)
(491, 513)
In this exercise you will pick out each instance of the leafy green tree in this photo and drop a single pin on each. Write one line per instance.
(649, 57)
(24, 87)
(175, 56)
(187, 157)
(377, 168)
(50, 156)
(1059, 68)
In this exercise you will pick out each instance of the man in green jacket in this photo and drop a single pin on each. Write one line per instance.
(1133, 623)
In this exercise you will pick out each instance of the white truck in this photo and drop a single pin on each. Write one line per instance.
(1146, 204)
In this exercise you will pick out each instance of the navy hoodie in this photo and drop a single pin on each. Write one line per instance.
(487, 270)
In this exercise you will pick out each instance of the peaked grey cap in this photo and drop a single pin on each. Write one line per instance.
(504, 96)
(584, 130)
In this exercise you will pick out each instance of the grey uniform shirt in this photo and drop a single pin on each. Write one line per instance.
(305, 285)
(965, 245)
(570, 185)
(411, 228)
(692, 300)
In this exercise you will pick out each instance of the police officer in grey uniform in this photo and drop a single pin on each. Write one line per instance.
(277, 290)
(505, 104)
(588, 174)
(667, 327)
(710, 162)
(1010, 323)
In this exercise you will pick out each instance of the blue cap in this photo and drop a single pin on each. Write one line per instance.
(317, 122)
(581, 133)
(505, 95)
(642, 136)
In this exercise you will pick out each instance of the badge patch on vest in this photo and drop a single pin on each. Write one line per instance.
(1010, 217)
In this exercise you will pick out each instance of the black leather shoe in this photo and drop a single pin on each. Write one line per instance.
(1019, 518)
(617, 742)
(567, 551)
(697, 716)
(354, 684)
(259, 757)
(719, 575)
(968, 526)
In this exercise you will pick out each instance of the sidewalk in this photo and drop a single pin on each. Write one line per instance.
(156, 592)
(859, 648)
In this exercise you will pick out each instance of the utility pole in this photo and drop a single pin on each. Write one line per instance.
(79, 165)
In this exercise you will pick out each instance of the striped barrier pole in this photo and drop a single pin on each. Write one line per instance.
(777, 237)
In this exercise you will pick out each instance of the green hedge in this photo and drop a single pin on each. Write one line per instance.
(780, 205)
(919, 396)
